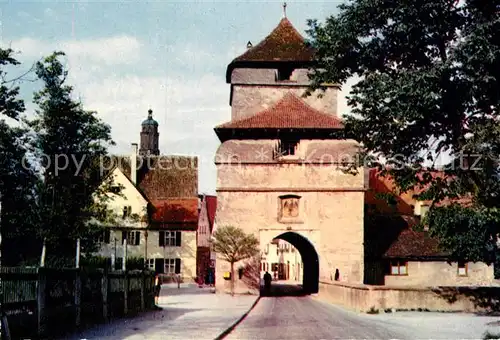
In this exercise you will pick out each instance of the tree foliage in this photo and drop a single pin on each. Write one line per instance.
(232, 244)
(428, 76)
(70, 144)
(17, 181)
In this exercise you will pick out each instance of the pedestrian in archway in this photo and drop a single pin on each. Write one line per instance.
(210, 277)
(267, 282)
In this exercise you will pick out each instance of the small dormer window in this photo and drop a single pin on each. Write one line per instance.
(287, 147)
(284, 74)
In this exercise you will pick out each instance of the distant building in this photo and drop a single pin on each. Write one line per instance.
(207, 208)
(282, 260)
(158, 205)
(397, 255)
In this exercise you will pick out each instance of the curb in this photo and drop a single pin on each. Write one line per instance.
(240, 320)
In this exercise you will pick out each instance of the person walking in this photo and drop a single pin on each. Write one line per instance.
(157, 290)
(267, 282)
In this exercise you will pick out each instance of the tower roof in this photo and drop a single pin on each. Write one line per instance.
(283, 44)
(290, 112)
(150, 120)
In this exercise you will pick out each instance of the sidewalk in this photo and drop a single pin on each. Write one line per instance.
(188, 313)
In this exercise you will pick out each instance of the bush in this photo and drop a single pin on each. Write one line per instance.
(489, 335)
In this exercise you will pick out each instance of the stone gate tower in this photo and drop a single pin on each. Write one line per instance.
(278, 166)
(149, 136)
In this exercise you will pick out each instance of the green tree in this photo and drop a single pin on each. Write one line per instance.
(17, 179)
(428, 76)
(232, 244)
(71, 145)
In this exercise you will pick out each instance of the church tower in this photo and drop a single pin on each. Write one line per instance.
(149, 136)
(279, 165)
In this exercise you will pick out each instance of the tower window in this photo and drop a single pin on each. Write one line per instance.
(283, 74)
(288, 147)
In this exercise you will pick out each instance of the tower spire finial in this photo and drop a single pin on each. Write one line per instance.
(284, 10)
(150, 114)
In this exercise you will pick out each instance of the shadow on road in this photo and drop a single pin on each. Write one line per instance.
(283, 289)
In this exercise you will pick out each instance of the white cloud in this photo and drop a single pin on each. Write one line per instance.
(107, 76)
(104, 74)
(118, 50)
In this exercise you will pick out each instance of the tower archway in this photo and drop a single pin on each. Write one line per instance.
(310, 260)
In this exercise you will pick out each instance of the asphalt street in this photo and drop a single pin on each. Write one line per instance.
(302, 317)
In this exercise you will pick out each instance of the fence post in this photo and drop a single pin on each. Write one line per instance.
(40, 297)
(104, 292)
(143, 291)
(78, 297)
(125, 293)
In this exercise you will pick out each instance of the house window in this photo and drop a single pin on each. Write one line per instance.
(172, 266)
(133, 237)
(115, 189)
(284, 74)
(150, 264)
(105, 237)
(462, 269)
(399, 268)
(170, 239)
(127, 211)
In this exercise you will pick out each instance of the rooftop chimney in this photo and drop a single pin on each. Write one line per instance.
(133, 164)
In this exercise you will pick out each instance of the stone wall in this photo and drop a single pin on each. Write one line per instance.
(365, 298)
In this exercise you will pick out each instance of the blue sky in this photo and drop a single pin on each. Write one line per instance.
(127, 56)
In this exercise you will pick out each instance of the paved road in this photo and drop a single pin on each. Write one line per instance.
(188, 313)
(302, 317)
(281, 315)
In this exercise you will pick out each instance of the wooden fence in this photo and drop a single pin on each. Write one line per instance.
(44, 302)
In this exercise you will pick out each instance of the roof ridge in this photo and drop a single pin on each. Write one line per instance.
(303, 102)
(281, 25)
(282, 101)
(283, 44)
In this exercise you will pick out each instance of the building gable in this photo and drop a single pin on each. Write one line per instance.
(130, 195)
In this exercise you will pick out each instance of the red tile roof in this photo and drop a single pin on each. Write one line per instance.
(284, 43)
(414, 244)
(408, 243)
(289, 112)
(172, 212)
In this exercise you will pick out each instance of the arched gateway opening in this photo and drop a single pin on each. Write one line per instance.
(310, 260)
